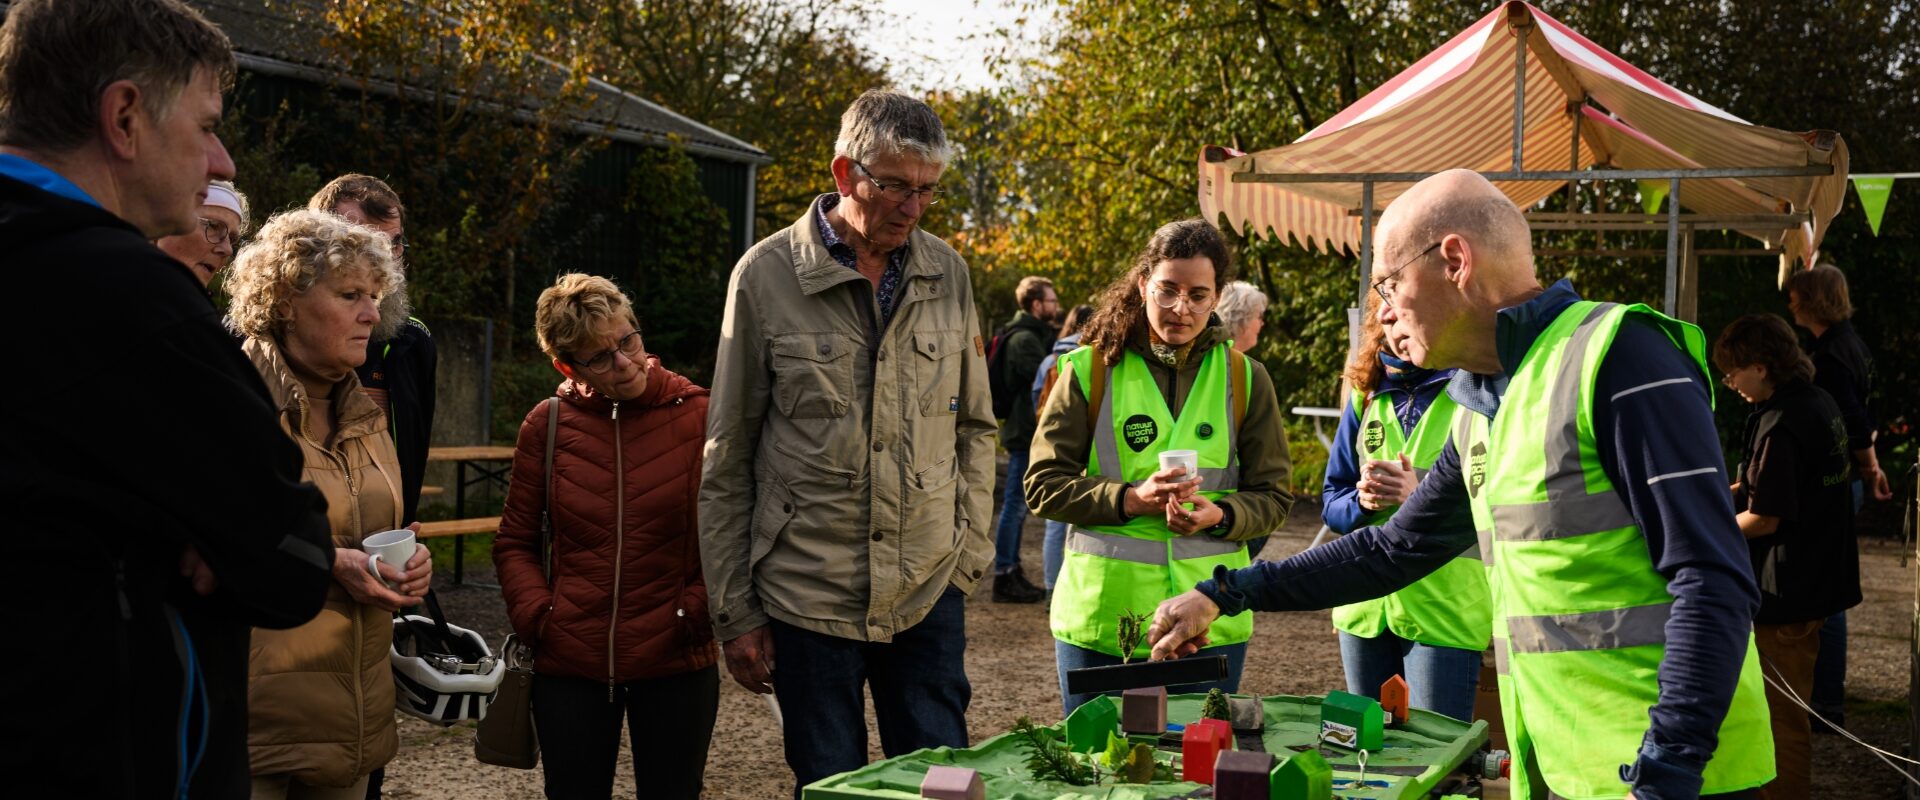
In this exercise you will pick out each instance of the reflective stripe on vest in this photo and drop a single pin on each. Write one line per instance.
(1581, 613)
(1146, 551)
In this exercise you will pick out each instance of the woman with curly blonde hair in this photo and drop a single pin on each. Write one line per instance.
(306, 295)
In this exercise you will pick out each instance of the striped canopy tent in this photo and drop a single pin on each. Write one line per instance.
(1532, 104)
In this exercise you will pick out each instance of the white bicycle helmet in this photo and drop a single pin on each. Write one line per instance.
(442, 673)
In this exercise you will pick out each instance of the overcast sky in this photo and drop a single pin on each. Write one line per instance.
(936, 44)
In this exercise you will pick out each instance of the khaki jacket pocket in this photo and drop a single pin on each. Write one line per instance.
(937, 371)
(813, 374)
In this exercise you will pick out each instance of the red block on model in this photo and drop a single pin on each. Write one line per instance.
(1202, 742)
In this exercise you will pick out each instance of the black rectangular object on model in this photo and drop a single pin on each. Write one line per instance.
(1121, 677)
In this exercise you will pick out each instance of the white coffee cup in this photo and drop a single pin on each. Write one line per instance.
(393, 547)
(1181, 458)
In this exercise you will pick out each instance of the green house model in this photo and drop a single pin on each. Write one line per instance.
(1304, 776)
(1351, 721)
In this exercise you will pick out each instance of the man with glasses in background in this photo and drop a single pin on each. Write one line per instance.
(399, 371)
(209, 248)
(846, 492)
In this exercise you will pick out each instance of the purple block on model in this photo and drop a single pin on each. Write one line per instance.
(1144, 710)
(952, 783)
(1242, 775)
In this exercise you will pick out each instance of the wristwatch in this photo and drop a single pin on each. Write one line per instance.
(1226, 521)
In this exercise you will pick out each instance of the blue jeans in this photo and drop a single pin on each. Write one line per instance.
(1440, 679)
(1066, 657)
(1013, 515)
(918, 681)
(1054, 551)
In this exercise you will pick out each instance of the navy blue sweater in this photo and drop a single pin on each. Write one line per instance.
(1654, 431)
(1412, 392)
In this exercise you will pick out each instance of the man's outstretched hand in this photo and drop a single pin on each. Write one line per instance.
(1180, 625)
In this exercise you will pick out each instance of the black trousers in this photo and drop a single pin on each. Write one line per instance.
(670, 720)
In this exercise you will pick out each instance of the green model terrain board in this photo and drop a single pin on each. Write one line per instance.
(1416, 757)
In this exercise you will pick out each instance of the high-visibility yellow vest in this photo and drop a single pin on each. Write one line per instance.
(1451, 607)
(1580, 614)
(1110, 569)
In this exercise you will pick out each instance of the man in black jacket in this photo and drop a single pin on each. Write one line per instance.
(1027, 338)
(156, 510)
(398, 372)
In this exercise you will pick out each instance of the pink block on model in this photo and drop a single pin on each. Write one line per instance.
(952, 783)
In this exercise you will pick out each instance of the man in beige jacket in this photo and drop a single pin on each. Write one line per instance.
(846, 492)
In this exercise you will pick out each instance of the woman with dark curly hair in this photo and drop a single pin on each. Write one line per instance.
(1158, 374)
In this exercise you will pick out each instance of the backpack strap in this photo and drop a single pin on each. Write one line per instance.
(1096, 387)
(546, 513)
(1237, 383)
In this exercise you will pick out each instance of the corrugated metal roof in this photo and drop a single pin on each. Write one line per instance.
(273, 39)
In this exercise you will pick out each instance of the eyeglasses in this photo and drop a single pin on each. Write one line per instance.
(1380, 286)
(1168, 298)
(901, 192)
(1727, 378)
(628, 345)
(216, 232)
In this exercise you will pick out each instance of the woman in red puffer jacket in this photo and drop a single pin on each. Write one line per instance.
(621, 631)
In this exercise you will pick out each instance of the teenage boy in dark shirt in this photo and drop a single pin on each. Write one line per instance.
(1793, 503)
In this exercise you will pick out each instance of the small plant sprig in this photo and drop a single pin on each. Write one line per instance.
(1215, 706)
(1051, 760)
(1133, 629)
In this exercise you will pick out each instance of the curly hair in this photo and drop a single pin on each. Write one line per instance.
(570, 312)
(292, 252)
(1121, 309)
(1765, 340)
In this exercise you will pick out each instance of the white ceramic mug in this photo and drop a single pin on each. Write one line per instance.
(1181, 458)
(393, 547)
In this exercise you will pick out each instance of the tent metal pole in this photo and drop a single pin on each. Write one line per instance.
(1366, 244)
(1673, 245)
(1519, 93)
(1573, 160)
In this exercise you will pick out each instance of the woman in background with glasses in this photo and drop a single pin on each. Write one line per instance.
(209, 248)
(1158, 374)
(619, 625)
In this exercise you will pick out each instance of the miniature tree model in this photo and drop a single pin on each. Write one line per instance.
(1215, 706)
(1050, 760)
(1133, 629)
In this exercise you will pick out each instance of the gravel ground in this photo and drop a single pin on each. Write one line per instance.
(1010, 663)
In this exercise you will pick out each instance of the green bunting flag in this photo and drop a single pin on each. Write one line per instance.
(1651, 193)
(1873, 198)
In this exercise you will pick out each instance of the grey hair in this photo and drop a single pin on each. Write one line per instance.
(1240, 303)
(883, 122)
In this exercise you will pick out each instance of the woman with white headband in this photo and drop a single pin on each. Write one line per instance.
(209, 248)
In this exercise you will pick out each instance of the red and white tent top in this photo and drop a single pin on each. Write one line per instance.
(1454, 109)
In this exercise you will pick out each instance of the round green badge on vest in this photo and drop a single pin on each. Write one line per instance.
(1376, 435)
(1205, 431)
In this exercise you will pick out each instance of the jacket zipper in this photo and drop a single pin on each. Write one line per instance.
(353, 504)
(619, 538)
